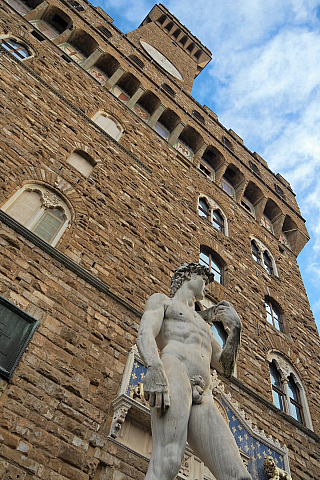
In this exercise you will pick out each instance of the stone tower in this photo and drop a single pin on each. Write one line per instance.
(111, 176)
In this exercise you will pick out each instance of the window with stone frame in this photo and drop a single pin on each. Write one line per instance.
(287, 389)
(208, 209)
(211, 260)
(278, 393)
(17, 329)
(263, 257)
(41, 210)
(295, 400)
(274, 316)
(267, 262)
(17, 49)
(109, 124)
(82, 162)
(255, 252)
(203, 208)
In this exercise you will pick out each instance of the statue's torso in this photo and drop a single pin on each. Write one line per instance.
(186, 336)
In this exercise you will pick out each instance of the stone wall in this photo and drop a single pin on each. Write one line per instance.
(134, 220)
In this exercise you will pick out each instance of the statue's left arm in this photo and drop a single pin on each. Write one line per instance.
(225, 313)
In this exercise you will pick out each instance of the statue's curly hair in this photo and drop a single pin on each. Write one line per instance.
(184, 272)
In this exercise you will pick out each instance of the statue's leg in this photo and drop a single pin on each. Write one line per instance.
(211, 439)
(169, 433)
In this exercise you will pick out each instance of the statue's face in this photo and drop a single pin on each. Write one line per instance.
(198, 284)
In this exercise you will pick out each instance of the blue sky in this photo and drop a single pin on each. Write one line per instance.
(264, 83)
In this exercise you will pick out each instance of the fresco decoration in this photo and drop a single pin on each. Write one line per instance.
(20, 7)
(45, 28)
(73, 52)
(141, 112)
(98, 74)
(184, 149)
(119, 93)
(253, 444)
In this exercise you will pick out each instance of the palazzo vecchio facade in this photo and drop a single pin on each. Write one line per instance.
(111, 176)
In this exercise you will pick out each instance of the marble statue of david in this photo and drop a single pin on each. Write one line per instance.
(177, 382)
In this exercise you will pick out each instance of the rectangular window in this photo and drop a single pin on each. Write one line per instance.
(16, 331)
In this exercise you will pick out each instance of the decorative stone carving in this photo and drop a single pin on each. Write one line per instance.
(274, 472)
(217, 386)
(117, 421)
(49, 199)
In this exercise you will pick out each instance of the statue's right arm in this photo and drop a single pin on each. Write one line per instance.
(155, 383)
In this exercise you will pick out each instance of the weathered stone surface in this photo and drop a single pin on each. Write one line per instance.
(134, 220)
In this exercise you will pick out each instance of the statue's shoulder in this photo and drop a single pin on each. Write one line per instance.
(157, 300)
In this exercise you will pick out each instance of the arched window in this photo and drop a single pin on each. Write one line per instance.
(210, 260)
(267, 263)
(109, 125)
(287, 389)
(203, 208)
(211, 211)
(40, 210)
(217, 220)
(263, 256)
(82, 162)
(295, 401)
(279, 397)
(273, 315)
(18, 50)
(255, 252)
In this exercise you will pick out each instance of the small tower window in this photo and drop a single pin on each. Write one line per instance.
(208, 258)
(82, 162)
(273, 315)
(109, 125)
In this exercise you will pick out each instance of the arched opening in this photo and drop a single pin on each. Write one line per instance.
(210, 162)
(104, 68)
(126, 86)
(270, 215)
(82, 162)
(80, 46)
(146, 105)
(109, 124)
(24, 6)
(17, 49)
(212, 261)
(166, 123)
(188, 142)
(252, 196)
(53, 22)
(289, 232)
(231, 178)
(274, 315)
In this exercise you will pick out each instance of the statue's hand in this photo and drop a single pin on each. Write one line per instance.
(225, 313)
(156, 389)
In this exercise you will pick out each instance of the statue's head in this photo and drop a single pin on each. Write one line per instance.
(183, 274)
(269, 466)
